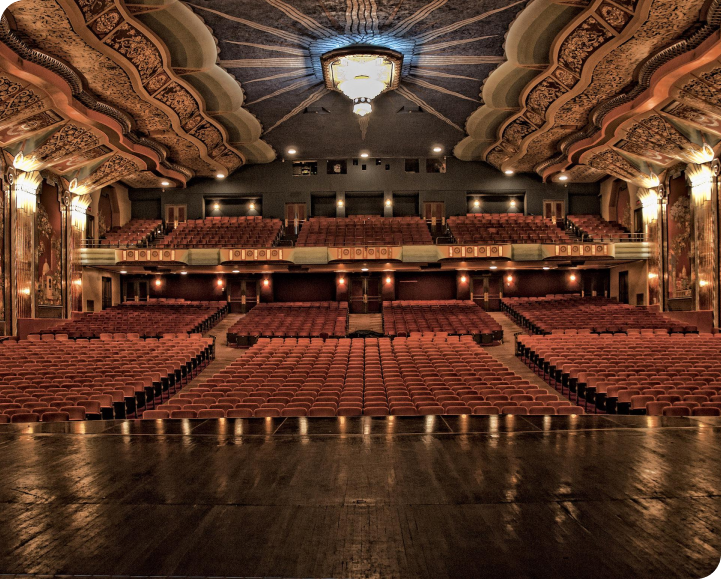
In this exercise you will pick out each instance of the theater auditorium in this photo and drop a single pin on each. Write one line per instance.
(386, 289)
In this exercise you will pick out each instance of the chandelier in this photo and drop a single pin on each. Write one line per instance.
(362, 73)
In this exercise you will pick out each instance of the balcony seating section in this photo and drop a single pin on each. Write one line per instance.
(596, 228)
(401, 318)
(424, 374)
(250, 231)
(363, 230)
(291, 319)
(487, 228)
(639, 374)
(134, 232)
(597, 314)
(68, 380)
(152, 318)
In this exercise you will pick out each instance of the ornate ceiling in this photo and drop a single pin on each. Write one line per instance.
(155, 91)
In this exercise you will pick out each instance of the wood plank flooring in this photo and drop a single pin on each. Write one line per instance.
(416, 497)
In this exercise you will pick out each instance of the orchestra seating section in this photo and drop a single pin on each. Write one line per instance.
(480, 228)
(596, 228)
(420, 375)
(224, 232)
(363, 230)
(401, 318)
(643, 373)
(134, 232)
(597, 314)
(64, 380)
(152, 318)
(291, 320)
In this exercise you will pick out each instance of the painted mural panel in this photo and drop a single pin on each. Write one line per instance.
(105, 214)
(680, 241)
(48, 248)
(623, 207)
(2, 254)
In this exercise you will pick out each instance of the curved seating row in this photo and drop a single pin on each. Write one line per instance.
(94, 379)
(363, 230)
(641, 374)
(596, 228)
(598, 314)
(476, 228)
(430, 374)
(402, 317)
(250, 231)
(134, 232)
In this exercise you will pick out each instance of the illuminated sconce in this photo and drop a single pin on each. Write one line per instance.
(389, 202)
(236, 271)
(476, 204)
(652, 275)
(266, 283)
(388, 279)
(158, 282)
(509, 278)
(220, 283)
(341, 281)
(216, 205)
(513, 202)
(26, 291)
(702, 283)
(252, 206)
(463, 279)
(437, 149)
(572, 277)
(340, 202)
(364, 269)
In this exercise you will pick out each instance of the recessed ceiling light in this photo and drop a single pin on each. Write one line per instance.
(123, 272)
(509, 171)
(563, 177)
(165, 183)
(364, 269)
(546, 268)
(183, 273)
(220, 176)
(292, 151)
(494, 267)
(364, 155)
(437, 149)
(236, 271)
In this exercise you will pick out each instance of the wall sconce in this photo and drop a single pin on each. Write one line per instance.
(266, 283)
(463, 279)
(513, 202)
(476, 204)
(389, 202)
(572, 277)
(220, 283)
(216, 205)
(341, 281)
(652, 275)
(252, 206)
(509, 279)
(158, 282)
(340, 202)
(702, 283)
(388, 279)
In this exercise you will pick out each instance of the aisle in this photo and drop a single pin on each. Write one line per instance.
(505, 353)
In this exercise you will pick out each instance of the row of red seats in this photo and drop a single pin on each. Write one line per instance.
(95, 379)
(400, 318)
(224, 232)
(364, 230)
(641, 374)
(145, 319)
(595, 227)
(134, 232)
(291, 319)
(598, 314)
(429, 374)
(505, 228)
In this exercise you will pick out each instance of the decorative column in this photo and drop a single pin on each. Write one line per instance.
(78, 208)
(700, 179)
(651, 223)
(24, 189)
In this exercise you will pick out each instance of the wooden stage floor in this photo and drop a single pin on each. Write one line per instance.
(418, 497)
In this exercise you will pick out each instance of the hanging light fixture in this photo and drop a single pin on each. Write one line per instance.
(362, 73)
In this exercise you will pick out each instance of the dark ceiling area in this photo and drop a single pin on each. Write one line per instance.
(273, 49)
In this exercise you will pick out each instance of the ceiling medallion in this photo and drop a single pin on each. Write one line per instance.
(362, 73)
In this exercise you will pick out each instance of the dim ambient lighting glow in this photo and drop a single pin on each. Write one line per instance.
(389, 202)
(364, 269)
(494, 267)
(216, 206)
(341, 281)
(183, 273)
(340, 203)
(252, 206)
(546, 268)
(702, 283)
(220, 176)
(652, 275)
(220, 282)
(123, 272)
(513, 202)
(158, 282)
(476, 203)
(573, 277)
(509, 279)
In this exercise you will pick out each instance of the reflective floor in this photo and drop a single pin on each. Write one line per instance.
(417, 497)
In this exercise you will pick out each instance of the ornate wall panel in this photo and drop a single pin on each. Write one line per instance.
(681, 275)
(703, 249)
(25, 187)
(652, 233)
(3, 195)
(48, 248)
